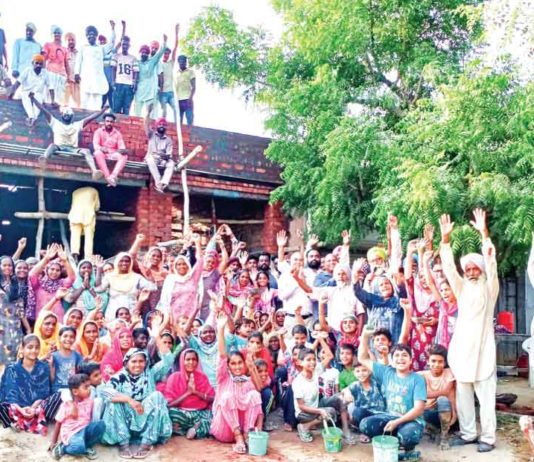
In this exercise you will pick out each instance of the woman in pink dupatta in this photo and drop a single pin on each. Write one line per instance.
(179, 295)
(448, 305)
(189, 395)
(46, 285)
(113, 359)
(237, 405)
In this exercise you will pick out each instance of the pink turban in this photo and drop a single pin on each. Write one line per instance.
(474, 258)
(145, 48)
(154, 44)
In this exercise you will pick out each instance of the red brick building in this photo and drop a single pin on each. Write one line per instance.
(229, 181)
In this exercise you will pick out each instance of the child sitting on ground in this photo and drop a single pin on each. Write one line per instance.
(346, 358)
(65, 361)
(310, 409)
(405, 396)
(366, 397)
(78, 434)
(237, 404)
(440, 408)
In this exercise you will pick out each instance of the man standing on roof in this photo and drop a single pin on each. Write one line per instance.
(159, 154)
(109, 145)
(55, 55)
(147, 84)
(66, 135)
(165, 76)
(90, 69)
(24, 49)
(185, 87)
(125, 72)
(34, 83)
(72, 89)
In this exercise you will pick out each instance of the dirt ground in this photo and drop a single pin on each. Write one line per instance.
(283, 446)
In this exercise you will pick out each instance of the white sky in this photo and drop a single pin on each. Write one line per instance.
(146, 21)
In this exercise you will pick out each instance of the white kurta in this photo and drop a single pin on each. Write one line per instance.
(90, 68)
(472, 352)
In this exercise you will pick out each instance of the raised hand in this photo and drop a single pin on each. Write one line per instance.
(312, 241)
(140, 238)
(346, 237)
(97, 261)
(281, 238)
(62, 255)
(22, 242)
(222, 319)
(412, 246)
(445, 226)
(51, 251)
(479, 223)
(393, 222)
(421, 245)
(165, 38)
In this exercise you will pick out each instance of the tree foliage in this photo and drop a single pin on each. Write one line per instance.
(373, 111)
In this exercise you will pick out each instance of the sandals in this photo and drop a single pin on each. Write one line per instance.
(239, 447)
(125, 452)
(304, 435)
(192, 432)
(350, 439)
(143, 451)
(287, 427)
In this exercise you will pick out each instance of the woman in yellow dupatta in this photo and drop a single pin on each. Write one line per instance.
(47, 330)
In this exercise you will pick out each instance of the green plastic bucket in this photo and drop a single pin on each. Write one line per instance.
(332, 437)
(257, 443)
(385, 448)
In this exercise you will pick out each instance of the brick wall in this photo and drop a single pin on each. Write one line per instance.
(224, 153)
(153, 215)
(274, 222)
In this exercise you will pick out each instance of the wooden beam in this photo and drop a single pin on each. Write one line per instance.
(63, 175)
(229, 222)
(63, 216)
(42, 211)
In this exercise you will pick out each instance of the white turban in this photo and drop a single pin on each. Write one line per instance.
(474, 258)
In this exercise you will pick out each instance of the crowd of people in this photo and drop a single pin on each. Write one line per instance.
(100, 72)
(208, 339)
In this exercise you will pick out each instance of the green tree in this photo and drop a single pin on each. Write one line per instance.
(372, 112)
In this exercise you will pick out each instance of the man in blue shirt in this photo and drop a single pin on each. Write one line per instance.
(24, 49)
(405, 395)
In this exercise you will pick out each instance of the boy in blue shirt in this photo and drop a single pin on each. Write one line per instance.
(405, 395)
(64, 361)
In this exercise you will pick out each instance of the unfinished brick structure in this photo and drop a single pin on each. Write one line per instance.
(229, 181)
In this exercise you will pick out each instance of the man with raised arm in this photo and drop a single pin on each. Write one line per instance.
(67, 133)
(472, 353)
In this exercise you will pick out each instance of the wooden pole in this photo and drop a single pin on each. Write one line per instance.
(63, 216)
(41, 208)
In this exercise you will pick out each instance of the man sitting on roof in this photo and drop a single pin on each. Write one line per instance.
(108, 144)
(66, 134)
(34, 82)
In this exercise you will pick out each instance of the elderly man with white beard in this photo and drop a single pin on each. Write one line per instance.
(472, 353)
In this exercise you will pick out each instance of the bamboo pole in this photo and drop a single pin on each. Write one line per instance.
(42, 210)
